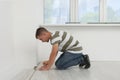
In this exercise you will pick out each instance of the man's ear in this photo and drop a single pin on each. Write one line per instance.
(37, 37)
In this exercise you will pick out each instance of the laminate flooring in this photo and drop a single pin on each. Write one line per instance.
(100, 70)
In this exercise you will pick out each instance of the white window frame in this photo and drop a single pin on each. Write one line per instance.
(74, 10)
(102, 6)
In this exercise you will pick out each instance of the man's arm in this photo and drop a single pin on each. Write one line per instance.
(51, 58)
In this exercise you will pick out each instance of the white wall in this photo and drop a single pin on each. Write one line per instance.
(26, 20)
(7, 56)
(6, 35)
(18, 21)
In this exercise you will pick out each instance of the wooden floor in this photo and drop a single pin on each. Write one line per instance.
(99, 71)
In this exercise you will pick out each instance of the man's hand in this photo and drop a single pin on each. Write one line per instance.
(47, 64)
(44, 67)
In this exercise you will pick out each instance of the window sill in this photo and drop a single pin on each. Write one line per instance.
(80, 25)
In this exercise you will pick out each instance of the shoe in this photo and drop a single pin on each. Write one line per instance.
(82, 65)
(87, 61)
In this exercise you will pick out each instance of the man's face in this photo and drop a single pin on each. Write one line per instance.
(44, 37)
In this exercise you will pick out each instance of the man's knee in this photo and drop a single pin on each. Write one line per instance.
(59, 65)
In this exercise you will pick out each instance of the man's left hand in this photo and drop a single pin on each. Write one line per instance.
(44, 67)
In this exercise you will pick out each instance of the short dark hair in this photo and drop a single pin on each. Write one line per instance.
(40, 30)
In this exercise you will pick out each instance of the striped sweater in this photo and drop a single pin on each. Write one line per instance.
(66, 42)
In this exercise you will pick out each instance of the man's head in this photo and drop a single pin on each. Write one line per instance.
(43, 34)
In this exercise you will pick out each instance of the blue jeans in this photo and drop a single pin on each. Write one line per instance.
(68, 59)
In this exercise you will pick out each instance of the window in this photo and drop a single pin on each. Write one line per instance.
(81, 11)
(88, 11)
(56, 11)
(113, 10)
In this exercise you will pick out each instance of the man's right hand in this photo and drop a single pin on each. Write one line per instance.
(45, 63)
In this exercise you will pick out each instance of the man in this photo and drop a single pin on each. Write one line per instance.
(62, 41)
